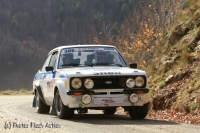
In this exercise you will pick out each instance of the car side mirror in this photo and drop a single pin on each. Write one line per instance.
(49, 68)
(133, 65)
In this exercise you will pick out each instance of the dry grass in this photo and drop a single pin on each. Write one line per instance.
(14, 92)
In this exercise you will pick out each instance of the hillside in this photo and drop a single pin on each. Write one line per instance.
(175, 70)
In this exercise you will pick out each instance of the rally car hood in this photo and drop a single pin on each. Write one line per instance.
(99, 71)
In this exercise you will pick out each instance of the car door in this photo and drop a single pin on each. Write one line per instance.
(42, 73)
(48, 80)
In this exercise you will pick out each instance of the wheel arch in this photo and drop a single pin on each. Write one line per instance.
(39, 91)
(59, 86)
(55, 90)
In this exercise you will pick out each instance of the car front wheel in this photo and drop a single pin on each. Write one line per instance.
(62, 111)
(138, 112)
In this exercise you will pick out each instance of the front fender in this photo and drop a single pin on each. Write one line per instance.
(63, 94)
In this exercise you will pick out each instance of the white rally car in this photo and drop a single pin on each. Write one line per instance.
(82, 77)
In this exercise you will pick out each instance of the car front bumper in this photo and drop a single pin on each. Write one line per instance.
(112, 100)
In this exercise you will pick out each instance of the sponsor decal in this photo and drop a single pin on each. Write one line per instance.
(133, 104)
(109, 49)
(69, 50)
(64, 76)
(110, 100)
(42, 76)
(105, 73)
(72, 50)
(90, 48)
(58, 74)
(81, 105)
(48, 76)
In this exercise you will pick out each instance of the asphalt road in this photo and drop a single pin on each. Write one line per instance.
(17, 115)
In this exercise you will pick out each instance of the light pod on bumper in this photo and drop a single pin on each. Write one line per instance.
(130, 83)
(86, 99)
(139, 81)
(76, 83)
(89, 84)
(133, 98)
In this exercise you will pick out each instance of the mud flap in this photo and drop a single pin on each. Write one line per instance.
(34, 102)
(53, 109)
(39, 91)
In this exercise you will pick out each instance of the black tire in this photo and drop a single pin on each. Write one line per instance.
(62, 111)
(41, 107)
(138, 112)
(109, 111)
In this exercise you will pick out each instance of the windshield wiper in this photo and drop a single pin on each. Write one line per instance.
(71, 64)
(117, 65)
(91, 64)
(102, 64)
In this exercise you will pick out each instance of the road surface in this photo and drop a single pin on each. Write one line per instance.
(17, 115)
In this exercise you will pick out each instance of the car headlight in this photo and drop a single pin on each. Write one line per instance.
(89, 83)
(76, 83)
(86, 99)
(130, 83)
(133, 98)
(139, 81)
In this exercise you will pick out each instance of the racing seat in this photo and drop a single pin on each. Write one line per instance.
(89, 59)
(76, 61)
(110, 59)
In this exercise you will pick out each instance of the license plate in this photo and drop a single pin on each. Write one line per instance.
(108, 100)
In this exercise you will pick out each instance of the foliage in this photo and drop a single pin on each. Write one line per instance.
(14, 23)
(162, 84)
(98, 18)
(142, 30)
(29, 29)
(124, 9)
(173, 115)
(78, 10)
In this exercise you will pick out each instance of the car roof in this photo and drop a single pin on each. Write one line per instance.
(82, 45)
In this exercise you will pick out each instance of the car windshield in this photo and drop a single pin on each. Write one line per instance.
(90, 56)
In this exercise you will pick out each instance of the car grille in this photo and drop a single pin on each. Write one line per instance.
(109, 82)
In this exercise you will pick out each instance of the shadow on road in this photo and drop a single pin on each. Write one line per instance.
(101, 119)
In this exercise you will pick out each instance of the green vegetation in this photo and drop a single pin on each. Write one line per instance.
(14, 23)
(151, 91)
(78, 12)
(162, 84)
(193, 106)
